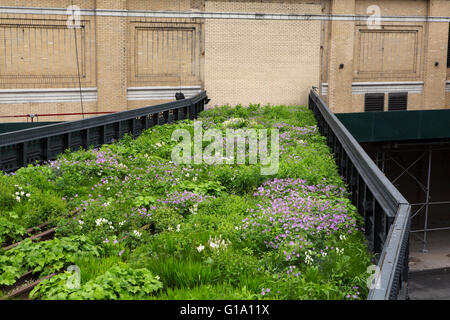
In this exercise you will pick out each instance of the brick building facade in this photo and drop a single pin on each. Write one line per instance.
(133, 53)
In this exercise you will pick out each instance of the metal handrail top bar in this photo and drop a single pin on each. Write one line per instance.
(383, 190)
(67, 127)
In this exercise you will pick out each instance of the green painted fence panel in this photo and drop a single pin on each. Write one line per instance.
(397, 125)
(15, 126)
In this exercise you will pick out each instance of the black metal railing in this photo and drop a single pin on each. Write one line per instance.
(20, 148)
(386, 212)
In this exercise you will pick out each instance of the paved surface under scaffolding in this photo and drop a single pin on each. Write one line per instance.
(437, 256)
(430, 285)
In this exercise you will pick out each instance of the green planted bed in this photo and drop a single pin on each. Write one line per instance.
(135, 225)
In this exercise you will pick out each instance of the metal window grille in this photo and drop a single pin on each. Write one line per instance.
(398, 101)
(374, 102)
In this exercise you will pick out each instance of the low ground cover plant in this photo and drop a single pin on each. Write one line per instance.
(139, 226)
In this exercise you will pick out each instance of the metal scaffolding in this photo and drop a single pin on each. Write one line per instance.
(387, 152)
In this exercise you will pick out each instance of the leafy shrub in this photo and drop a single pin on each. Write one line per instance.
(10, 230)
(214, 231)
(119, 282)
(42, 257)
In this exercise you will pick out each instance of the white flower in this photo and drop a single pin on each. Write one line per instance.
(308, 259)
(339, 251)
(178, 228)
(200, 248)
(218, 243)
(100, 221)
(80, 221)
(22, 193)
(18, 199)
(324, 254)
(213, 245)
(157, 277)
(28, 195)
(137, 234)
(194, 208)
(342, 237)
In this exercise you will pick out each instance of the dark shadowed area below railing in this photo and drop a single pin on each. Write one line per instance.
(20, 148)
(386, 212)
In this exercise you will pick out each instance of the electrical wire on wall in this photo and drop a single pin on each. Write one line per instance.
(179, 95)
(75, 26)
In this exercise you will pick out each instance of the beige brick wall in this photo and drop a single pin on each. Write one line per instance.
(85, 4)
(160, 5)
(38, 51)
(394, 8)
(414, 102)
(270, 62)
(340, 58)
(45, 108)
(436, 53)
(111, 58)
(237, 61)
(400, 51)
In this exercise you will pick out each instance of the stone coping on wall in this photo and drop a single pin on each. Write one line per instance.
(14, 96)
(218, 15)
(382, 87)
(161, 92)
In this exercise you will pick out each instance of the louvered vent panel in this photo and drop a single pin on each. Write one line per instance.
(374, 102)
(398, 101)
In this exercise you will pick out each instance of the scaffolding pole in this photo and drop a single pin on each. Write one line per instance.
(381, 160)
(427, 201)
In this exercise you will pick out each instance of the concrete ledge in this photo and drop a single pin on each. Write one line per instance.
(161, 93)
(13, 96)
(381, 87)
(216, 15)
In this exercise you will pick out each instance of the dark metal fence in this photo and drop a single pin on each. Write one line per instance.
(20, 148)
(386, 212)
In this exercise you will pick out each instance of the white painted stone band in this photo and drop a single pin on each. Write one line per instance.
(13, 96)
(217, 15)
(161, 93)
(382, 87)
